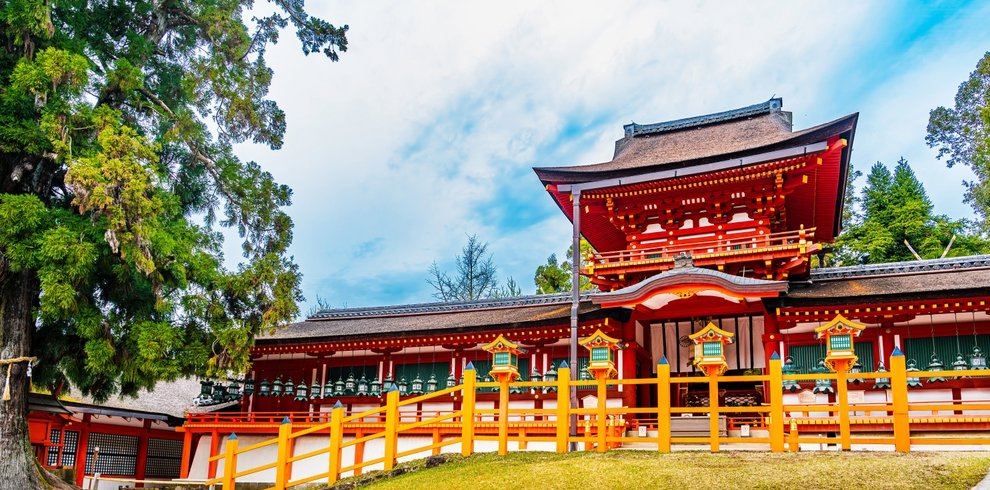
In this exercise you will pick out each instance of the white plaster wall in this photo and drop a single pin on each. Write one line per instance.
(318, 464)
(929, 396)
(976, 395)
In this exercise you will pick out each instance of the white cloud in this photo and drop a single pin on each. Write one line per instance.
(426, 129)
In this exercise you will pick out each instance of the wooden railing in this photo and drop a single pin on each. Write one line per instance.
(700, 248)
(601, 427)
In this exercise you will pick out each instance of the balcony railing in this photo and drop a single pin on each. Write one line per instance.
(706, 249)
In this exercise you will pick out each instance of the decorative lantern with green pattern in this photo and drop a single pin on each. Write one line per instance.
(977, 360)
(338, 387)
(790, 367)
(362, 386)
(290, 388)
(403, 386)
(822, 385)
(505, 359)
(431, 384)
(277, 386)
(912, 367)
(601, 349)
(839, 334)
(316, 391)
(350, 384)
(881, 383)
(248, 387)
(935, 365)
(550, 377)
(265, 388)
(451, 380)
(417, 386)
(302, 391)
(376, 388)
(709, 350)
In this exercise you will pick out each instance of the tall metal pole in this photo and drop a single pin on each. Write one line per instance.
(575, 299)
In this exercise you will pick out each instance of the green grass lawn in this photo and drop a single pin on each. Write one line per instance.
(698, 470)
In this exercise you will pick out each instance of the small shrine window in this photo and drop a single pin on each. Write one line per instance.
(841, 342)
(711, 349)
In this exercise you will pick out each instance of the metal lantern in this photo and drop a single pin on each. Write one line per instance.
(451, 380)
(822, 385)
(205, 388)
(219, 393)
(585, 375)
(505, 359)
(350, 384)
(265, 388)
(935, 365)
(431, 384)
(362, 386)
(277, 386)
(790, 367)
(912, 367)
(709, 349)
(417, 386)
(289, 389)
(535, 376)
(338, 387)
(316, 391)
(248, 387)
(856, 368)
(488, 379)
(302, 392)
(403, 386)
(839, 333)
(960, 363)
(550, 377)
(376, 387)
(233, 390)
(881, 383)
(518, 389)
(601, 354)
(977, 360)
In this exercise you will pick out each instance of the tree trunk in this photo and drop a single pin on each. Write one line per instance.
(18, 293)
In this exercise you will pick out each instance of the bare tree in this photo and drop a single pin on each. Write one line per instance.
(474, 279)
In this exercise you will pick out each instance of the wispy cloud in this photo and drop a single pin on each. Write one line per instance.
(428, 127)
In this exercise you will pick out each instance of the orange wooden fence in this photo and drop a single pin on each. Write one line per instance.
(601, 427)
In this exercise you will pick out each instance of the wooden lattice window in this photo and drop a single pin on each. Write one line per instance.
(164, 458)
(711, 349)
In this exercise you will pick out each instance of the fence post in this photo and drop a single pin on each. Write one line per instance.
(230, 462)
(336, 440)
(391, 426)
(842, 396)
(713, 431)
(282, 462)
(898, 391)
(467, 410)
(663, 405)
(600, 415)
(503, 415)
(563, 407)
(776, 404)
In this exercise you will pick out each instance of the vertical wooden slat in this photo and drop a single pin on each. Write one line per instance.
(282, 458)
(563, 408)
(898, 390)
(336, 440)
(467, 410)
(776, 404)
(391, 426)
(663, 405)
(230, 462)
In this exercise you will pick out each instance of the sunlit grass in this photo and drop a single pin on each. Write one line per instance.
(698, 470)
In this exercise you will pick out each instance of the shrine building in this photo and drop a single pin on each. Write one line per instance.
(715, 220)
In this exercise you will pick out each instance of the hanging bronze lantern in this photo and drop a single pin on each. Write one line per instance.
(403, 387)
(205, 388)
(362, 386)
(350, 384)
(248, 387)
(219, 393)
(881, 383)
(316, 391)
(417, 386)
(233, 390)
(912, 367)
(289, 389)
(856, 368)
(977, 359)
(960, 364)
(338, 387)
(451, 380)
(550, 377)
(277, 386)
(431, 384)
(302, 392)
(935, 365)
(264, 389)
(790, 367)
(376, 387)
(822, 385)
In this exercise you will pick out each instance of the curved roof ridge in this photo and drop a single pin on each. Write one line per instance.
(771, 105)
(898, 268)
(442, 307)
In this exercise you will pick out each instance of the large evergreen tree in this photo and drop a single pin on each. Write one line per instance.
(962, 133)
(555, 277)
(895, 212)
(117, 121)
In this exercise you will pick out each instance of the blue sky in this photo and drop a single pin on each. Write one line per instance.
(427, 129)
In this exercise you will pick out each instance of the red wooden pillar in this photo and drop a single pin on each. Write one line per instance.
(771, 342)
(211, 471)
(81, 447)
(142, 455)
(186, 454)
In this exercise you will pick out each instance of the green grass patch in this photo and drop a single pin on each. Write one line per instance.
(697, 470)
